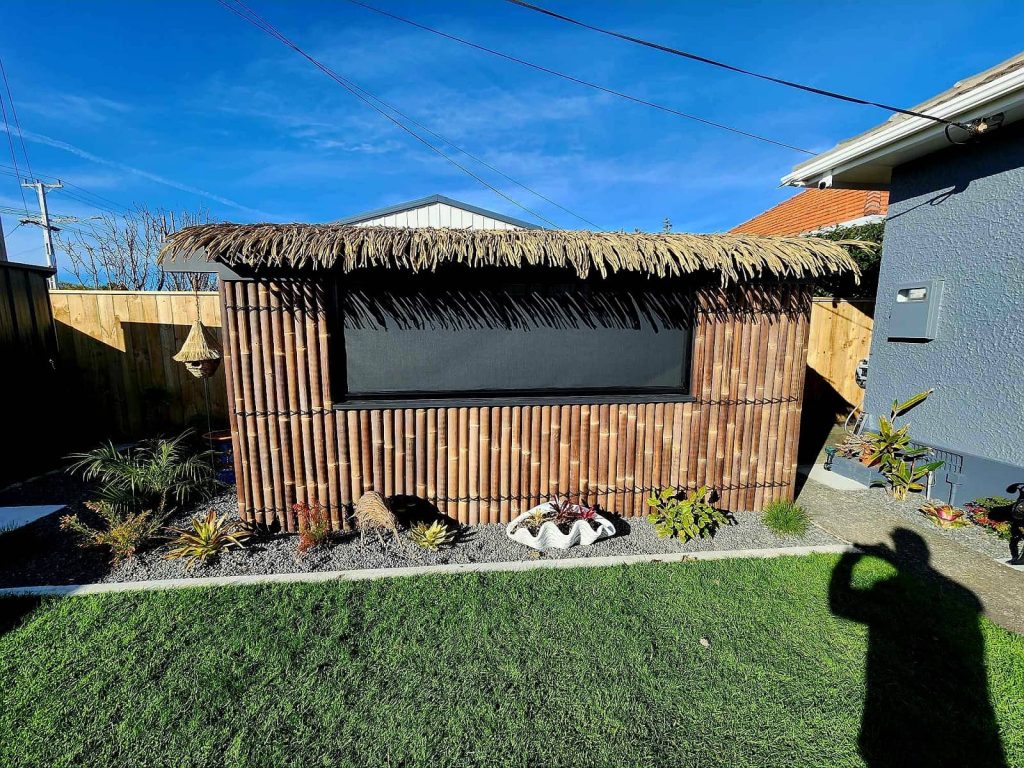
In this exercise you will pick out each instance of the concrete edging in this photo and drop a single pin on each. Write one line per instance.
(366, 574)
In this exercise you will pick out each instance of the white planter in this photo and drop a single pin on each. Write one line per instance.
(550, 537)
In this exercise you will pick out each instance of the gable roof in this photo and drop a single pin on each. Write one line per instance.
(866, 161)
(815, 209)
(423, 202)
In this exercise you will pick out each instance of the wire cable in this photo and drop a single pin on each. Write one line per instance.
(580, 81)
(14, 155)
(258, 21)
(731, 68)
(17, 122)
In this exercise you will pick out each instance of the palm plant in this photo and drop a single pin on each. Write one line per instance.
(152, 474)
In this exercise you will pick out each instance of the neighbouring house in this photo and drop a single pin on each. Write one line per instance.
(815, 210)
(948, 309)
(484, 366)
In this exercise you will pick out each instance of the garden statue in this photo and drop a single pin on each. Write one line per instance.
(1016, 524)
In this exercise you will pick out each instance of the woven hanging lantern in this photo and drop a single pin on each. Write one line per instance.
(200, 353)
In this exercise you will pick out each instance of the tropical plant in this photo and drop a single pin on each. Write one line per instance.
(314, 525)
(563, 512)
(943, 515)
(991, 513)
(786, 518)
(433, 536)
(149, 475)
(205, 538)
(125, 533)
(685, 517)
(891, 450)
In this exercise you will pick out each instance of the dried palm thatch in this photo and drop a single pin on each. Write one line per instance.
(373, 514)
(736, 257)
(200, 353)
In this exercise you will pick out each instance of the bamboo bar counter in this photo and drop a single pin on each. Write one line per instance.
(487, 371)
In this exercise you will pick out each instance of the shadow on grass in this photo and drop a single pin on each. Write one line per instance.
(14, 610)
(927, 700)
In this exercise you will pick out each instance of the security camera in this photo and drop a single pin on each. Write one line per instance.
(826, 182)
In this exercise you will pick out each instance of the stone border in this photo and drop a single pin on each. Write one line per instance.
(365, 574)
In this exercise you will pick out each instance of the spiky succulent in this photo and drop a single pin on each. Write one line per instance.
(431, 537)
(206, 537)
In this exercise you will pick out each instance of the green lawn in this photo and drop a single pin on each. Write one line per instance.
(546, 668)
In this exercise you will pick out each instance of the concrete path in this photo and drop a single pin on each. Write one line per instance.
(853, 518)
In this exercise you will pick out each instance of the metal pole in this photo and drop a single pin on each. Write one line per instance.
(51, 256)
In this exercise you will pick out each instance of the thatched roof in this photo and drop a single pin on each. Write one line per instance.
(736, 257)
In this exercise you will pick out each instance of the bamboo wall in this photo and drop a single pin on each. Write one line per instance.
(486, 464)
(115, 354)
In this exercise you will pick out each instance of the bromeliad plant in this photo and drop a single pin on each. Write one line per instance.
(991, 513)
(944, 515)
(685, 517)
(204, 539)
(151, 475)
(891, 450)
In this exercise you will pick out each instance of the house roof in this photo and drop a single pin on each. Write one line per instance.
(866, 161)
(816, 209)
(432, 199)
(736, 258)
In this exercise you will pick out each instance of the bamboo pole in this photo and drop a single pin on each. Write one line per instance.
(285, 436)
(337, 515)
(508, 459)
(263, 386)
(389, 454)
(409, 419)
(495, 465)
(562, 441)
(316, 403)
(484, 481)
(442, 460)
(430, 491)
(464, 470)
(545, 453)
(232, 375)
(535, 422)
(245, 359)
(621, 449)
(575, 450)
(398, 449)
(605, 452)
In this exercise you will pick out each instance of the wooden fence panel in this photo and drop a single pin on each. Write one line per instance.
(840, 337)
(28, 386)
(115, 354)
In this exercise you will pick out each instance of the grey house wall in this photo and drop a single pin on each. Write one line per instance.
(958, 215)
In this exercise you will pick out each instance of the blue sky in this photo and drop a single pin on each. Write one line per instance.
(185, 106)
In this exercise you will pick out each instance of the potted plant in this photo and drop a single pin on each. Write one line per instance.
(559, 524)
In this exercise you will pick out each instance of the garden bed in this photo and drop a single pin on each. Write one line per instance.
(45, 554)
(973, 537)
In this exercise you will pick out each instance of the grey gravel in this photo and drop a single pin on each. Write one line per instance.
(482, 543)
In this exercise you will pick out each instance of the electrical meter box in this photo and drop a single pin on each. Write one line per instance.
(914, 313)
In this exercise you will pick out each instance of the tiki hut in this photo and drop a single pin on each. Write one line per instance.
(487, 371)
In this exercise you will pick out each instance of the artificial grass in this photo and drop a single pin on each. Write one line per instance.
(567, 667)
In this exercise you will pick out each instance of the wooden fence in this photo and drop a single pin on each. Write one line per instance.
(116, 348)
(115, 353)
(28, 384)
(840, 338)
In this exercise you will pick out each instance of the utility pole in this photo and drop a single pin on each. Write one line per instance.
(41, 190)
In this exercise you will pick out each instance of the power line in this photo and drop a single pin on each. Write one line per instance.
(17, 122)
(9, 171)
(256, 20)
(731, 68)
(10, 144)
(580, 81)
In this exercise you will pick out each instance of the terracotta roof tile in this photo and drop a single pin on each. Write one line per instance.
(813, 209)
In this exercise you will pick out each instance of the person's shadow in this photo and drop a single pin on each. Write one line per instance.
(927, 699)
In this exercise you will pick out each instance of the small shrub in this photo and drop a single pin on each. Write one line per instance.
(314, 525)
(685, 518)
(206, 538)
(786, 518)
(125, 533)
(433, 536)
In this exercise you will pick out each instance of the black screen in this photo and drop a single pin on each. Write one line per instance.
(489, 331)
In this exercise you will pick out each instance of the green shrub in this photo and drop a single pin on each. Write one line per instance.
(125, 533)
(149, 475)
(786, 518)
(685, 517)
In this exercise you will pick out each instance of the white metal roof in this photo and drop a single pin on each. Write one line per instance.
(436, 211)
